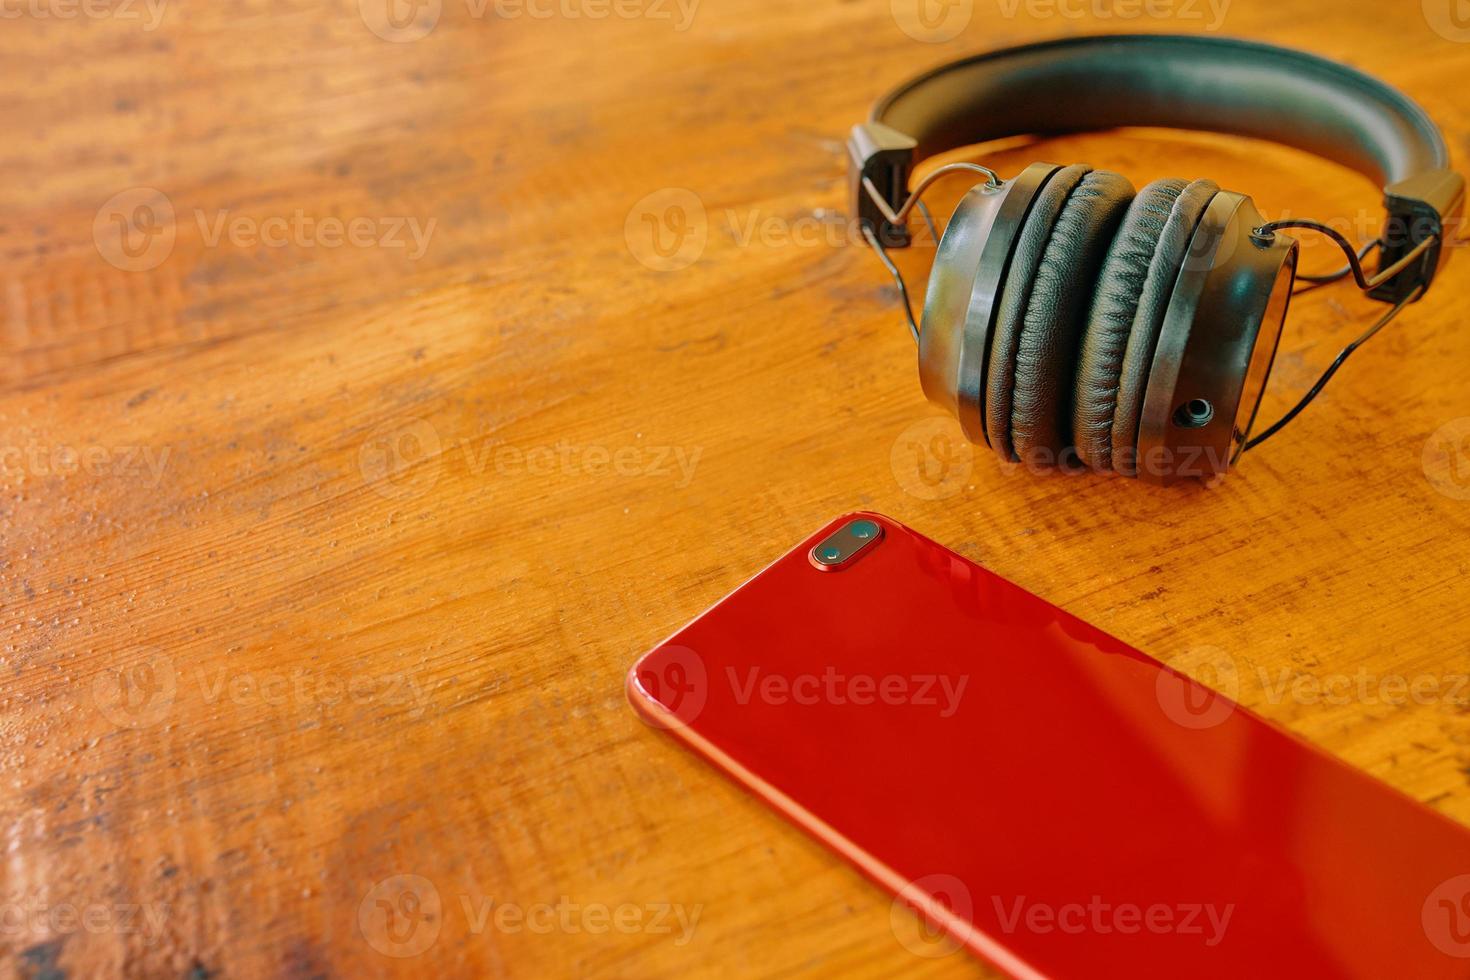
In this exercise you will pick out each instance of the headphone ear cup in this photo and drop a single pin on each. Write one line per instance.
(1046, 296)
(1136, 283)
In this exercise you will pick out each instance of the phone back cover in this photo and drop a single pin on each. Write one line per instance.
(1058, 802)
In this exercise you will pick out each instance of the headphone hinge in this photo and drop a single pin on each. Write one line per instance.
(1423, 207)
(885, 157)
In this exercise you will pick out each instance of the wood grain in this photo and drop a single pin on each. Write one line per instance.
(324, 558)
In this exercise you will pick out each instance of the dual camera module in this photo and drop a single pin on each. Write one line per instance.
(846, 543)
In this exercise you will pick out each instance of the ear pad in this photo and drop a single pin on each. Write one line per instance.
(1135, 284)
(1045, 299)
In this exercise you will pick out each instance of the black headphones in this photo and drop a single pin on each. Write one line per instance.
(1070, 321)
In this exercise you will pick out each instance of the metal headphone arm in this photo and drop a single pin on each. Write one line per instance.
(895, 219)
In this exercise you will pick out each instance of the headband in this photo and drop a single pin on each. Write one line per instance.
(1214, 84)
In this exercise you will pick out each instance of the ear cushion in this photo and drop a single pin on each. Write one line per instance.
(1044, 301)
(1114, 307)
(1015, 294)
(1136, 283)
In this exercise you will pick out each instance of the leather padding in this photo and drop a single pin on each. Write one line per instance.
(1045, 300)
(1110, 322)
(1015, 293)
(1164, 265)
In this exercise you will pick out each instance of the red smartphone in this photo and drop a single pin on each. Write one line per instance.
(1054, 800)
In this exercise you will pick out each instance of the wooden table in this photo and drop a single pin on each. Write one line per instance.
(373, 397)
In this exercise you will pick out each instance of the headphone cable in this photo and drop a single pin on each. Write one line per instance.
(1383, 321)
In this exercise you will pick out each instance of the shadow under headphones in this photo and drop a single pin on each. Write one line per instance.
(1071, 321)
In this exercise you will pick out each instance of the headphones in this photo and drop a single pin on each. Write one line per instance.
(1073, 322)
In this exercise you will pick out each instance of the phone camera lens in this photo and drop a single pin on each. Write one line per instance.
(845, 544)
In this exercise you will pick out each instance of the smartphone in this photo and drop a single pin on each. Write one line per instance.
(1041, 793)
